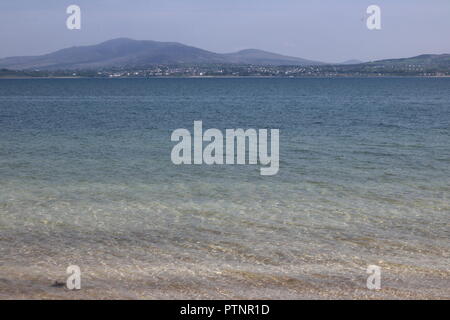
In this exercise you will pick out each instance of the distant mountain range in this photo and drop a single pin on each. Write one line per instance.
(124, 52)
(435, 61)
(127, 54)
(353, 61)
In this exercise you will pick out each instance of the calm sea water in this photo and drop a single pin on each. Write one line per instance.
(86, 179)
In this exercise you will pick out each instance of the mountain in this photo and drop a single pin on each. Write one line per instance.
(113, 53)
(352, 61)
(425, 60)
(124, 52)
(260, 57)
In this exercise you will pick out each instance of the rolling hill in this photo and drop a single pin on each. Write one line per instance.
(425, 60)
(125, 52)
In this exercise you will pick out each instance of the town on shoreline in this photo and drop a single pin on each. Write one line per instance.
(230, 70)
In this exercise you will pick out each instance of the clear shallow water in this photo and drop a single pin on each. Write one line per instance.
(86, 179)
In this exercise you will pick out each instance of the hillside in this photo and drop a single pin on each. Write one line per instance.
(124, 52)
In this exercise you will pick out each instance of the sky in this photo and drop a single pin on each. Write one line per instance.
(321, 30)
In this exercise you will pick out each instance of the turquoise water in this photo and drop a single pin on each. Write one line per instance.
(86, 178)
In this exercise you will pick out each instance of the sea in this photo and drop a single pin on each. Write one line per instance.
(86, 179)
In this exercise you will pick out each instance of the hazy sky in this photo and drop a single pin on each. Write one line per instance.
(326, 30)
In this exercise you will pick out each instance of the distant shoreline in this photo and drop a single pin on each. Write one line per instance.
(224, 77)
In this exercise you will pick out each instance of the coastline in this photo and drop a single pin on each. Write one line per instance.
(233, 77)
